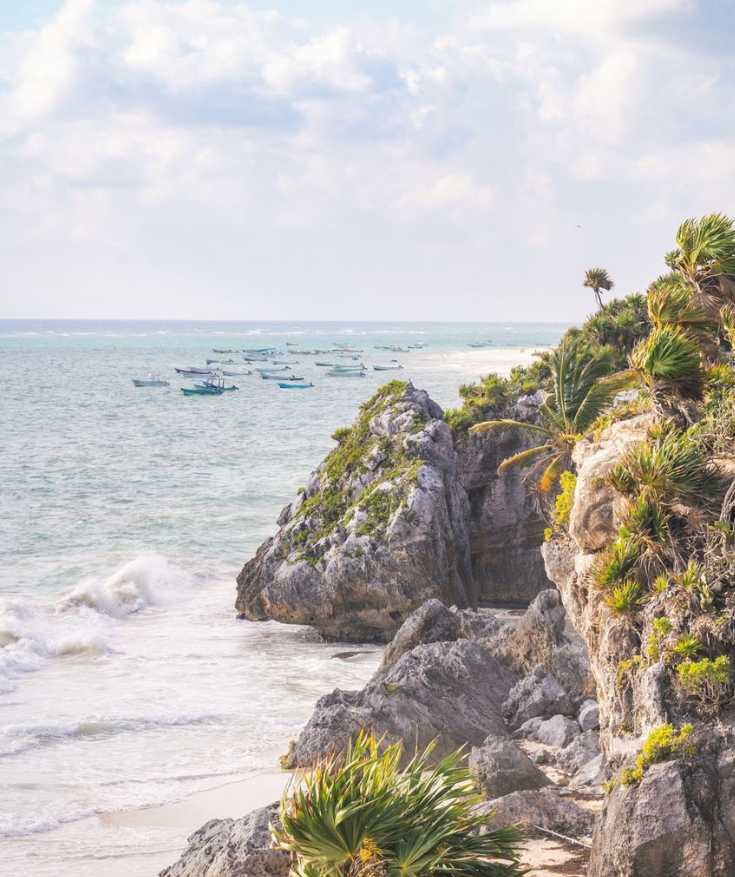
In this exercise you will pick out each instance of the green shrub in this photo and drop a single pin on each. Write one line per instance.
(661, 744)
(565, 498)
(671, 467)
(661, 627)
(624, 598)
(617, 562)
(686, 646)
(361, 815)
(707, 681)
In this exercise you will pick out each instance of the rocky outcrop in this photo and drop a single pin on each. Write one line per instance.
(674, 817)
(448, 692)
(381, 527)
(398, 513)
(506, 527)
(430, 623)
(233, 848)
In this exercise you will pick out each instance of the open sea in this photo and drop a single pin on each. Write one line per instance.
(125, 514)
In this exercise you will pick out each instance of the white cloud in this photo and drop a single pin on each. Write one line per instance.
(490, 138)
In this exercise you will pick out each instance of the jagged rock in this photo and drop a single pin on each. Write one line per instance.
(430, 623)
(557, 731)
(233, 848)
(500, 767)
(589, 715)
(543, 808)
(581, 749)
(590, 777)
(679, 821)
(543, 637)
(448, 691)
(382, 527)
(538, 695)
(506, 527)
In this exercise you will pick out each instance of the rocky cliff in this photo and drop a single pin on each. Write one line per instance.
(670, 811)
(398, 513)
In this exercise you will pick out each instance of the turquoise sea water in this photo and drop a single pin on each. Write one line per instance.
(125, 514)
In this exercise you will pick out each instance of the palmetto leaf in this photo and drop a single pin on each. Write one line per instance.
(670, 301)
(706, 245)
(488, 425)
(598, 278)
(524, 458)
(670, 360)
(600, 396)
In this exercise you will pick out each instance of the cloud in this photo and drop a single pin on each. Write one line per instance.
(181, 121)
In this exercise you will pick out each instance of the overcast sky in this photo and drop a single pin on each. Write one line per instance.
(393, 159)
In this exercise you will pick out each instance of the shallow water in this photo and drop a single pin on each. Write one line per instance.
(125, 680)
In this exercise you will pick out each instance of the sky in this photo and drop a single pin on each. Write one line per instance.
(412, 159)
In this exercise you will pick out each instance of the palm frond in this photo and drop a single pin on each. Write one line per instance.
(524, 458)
(669, 360)
(488, 425)
(670, 301)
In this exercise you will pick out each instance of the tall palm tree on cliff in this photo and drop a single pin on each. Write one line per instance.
(582, 388)
(597, 279)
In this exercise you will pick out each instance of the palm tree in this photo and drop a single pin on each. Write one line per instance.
(582, 388)
(705, 256)
(598, 279)
(671, 302)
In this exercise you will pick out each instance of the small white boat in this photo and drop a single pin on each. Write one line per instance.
(150, 381)
(287, 377)
(388, 368)
(273, 371)
(193, 371)
(236, 374)
(291, 385)
(345, 373)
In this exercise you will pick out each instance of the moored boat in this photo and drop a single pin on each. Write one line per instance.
(281, 377)
(194, 370)
(346, 373)
(150, 381)
(294, 385)
(228, 374)
(387, 368)
(202, 390)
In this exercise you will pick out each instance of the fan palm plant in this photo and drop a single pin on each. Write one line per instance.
(582, 388)
(669, 364)
(362, 815)
(705, 256)
(597, 279)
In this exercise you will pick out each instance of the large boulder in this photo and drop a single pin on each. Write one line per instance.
(233, 848)
(542, 808)
(538, 695)
(450, 692)
(500, 767)
(381, 527)
(430, 623)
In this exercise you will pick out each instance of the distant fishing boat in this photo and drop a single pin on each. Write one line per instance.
(273, 371)
(223, 350)
(482, 344)
(267, 377)
(387, 368)
(193, 370)
(217, 384)
(285, 362)
(236, 374)
(291, 385)
(346, 373)
(220, 361)
(325, 364)
(258, 351)
(349, 368)
(150, 381)
(202, 390)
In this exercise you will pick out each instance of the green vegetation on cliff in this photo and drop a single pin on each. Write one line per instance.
(344, 487)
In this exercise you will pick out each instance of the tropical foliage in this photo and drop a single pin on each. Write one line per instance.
(598, 280)
(363, 814)
(582, 387)
(705, 257)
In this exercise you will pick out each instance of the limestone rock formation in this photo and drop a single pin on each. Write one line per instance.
(233, 848)
(543, 808)
(381, 527)
(397, 514)
(450, 692)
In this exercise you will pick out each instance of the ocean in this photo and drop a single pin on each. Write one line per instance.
(125, 515)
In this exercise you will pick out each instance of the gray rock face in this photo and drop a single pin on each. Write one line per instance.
(538, 695)
(678, 821)
(589, 715)
(506, 528)
(233, 848)
(581, 749)
(543, 808)
(381, 527)
(557, 731)
(430, 623)
(544, 638)
(590, 777)
(500, 767)
(448, 691)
